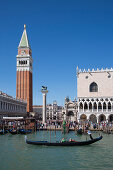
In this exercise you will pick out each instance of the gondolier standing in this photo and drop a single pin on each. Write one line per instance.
(89, 133)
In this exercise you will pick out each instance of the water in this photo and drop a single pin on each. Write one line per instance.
(15, 154)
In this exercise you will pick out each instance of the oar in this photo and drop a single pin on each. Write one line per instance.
(55, 131)
(3, 128)
(25, 138)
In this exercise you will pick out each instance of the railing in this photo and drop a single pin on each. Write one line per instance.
(95, 110)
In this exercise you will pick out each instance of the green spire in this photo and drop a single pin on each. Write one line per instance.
(24, 42)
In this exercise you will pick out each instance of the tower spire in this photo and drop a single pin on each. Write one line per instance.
(24, 42)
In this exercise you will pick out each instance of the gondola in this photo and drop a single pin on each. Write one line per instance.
(66, 143)
(24, 131)
(2, 132)
(13, 131)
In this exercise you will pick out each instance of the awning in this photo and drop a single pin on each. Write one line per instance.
(12, 118)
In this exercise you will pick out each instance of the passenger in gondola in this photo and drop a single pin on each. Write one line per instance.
(63, 140)
(71, 140)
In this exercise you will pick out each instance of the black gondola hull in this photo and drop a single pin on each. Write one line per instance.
(46, 143)
(2, 132)
(23, 131)
(13, 132)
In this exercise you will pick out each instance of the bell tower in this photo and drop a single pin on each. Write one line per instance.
(24, 71)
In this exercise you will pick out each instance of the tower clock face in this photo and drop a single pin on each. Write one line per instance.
(23, 52)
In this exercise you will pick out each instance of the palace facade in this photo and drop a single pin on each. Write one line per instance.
(95, 95)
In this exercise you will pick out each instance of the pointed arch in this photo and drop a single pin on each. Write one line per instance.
(93, 118)
(109, 105)
(110, 118)
(83, 117)
(70, 113)
(85, 106)
(81, 105)
(99, 106)
(95, 106)
(93, 87)
(90, 106)
(104, 106)
(102, 118)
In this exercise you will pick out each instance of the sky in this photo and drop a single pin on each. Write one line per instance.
(63, 34)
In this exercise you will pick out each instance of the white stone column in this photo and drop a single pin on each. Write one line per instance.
(97, 107)
(106, 107)
(92, 106)
(44, 92)
(83, 107)
(102, 106)
(97, 119)
(107, 117)
(111, 107)
(88, 106)
(78, 106)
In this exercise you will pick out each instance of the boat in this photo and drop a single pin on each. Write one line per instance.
(24, 131)
(65, 143)
(2, 131)
(13, 131)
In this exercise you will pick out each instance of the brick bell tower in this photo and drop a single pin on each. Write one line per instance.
(24, 71)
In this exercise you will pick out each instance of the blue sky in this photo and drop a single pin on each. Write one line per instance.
(62, 35)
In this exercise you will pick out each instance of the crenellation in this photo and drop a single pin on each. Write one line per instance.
(93, 70)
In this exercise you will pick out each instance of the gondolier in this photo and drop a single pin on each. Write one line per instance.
(89, 133)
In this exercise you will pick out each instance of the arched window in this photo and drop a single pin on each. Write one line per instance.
(99, 106)
(104, 106)
(81, 106)
(85, 106)
(90, 105)
(109, 106)
(95, 105)
(93, 87)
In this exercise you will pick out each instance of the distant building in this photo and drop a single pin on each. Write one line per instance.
(95, 95)
(70, 110)
(37, 109)
(54, 112)
(24, 71)
(11, 107)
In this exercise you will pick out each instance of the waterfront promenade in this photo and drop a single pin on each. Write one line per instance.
(70, 126)
(103, 126)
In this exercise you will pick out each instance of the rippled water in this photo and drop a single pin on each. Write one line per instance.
(15, 154)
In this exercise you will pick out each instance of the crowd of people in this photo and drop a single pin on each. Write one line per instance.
(81, 125)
